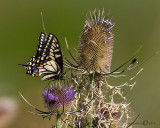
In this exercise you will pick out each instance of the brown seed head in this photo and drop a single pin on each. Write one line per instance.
(96, 44)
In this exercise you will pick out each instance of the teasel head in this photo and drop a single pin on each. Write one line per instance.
(96, 43)
(59, 98)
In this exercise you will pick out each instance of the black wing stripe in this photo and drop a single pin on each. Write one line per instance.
(42, 44)
(48, 45)
(53, 50)
(52, 45)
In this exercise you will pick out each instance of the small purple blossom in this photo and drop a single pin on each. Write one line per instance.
(68, 92)
(57, 97)
(48, 96)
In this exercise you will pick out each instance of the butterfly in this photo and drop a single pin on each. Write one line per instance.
(48, 60)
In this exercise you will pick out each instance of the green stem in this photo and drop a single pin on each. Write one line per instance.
(90, 116)
(58, 122)
(90, 113)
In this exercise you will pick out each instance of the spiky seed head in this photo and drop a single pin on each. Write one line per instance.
(96, 43)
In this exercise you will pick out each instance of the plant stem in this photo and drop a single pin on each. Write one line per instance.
(90, 113)
(58, 122)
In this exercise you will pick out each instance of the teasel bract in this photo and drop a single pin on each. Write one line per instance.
(96, 44)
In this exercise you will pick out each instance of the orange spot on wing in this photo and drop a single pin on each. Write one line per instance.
(35, 74)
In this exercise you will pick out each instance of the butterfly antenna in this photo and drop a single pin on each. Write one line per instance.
(70, 52)
(43, 23)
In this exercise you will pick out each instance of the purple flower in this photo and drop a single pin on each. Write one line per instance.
(48, 96)
(68, 92)
(56, 97)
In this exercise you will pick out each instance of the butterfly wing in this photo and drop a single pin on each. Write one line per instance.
(53, 50)
(41, 44)
(49, 70)
(43, 66)
(48, 60)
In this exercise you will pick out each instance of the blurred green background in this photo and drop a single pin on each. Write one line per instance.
(137, 22)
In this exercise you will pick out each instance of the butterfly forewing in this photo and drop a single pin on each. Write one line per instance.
(53, 50)
(42, 44)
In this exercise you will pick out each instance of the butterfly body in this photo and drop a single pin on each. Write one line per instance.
(48, 60)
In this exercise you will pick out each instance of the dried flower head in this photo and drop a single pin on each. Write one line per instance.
(107, 114)
(57, 98)
(96, 43)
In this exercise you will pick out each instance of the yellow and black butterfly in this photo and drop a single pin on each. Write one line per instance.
(48, 60)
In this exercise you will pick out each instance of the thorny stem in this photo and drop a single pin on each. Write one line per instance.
(90, 113)
(58, 122)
